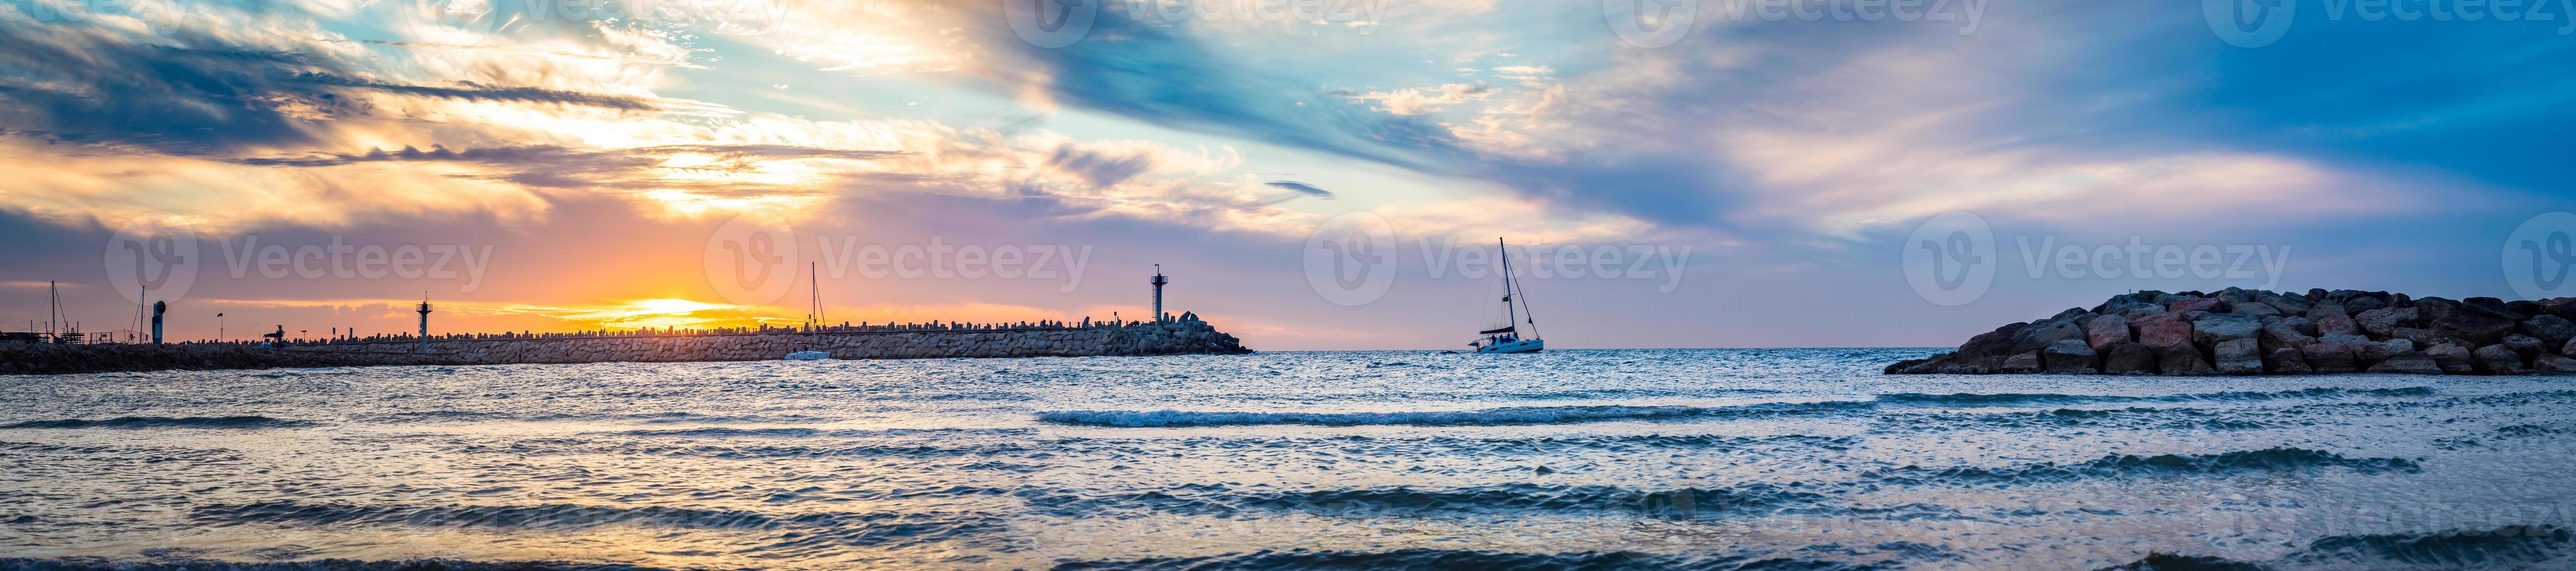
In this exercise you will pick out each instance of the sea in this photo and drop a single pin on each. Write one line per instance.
(1572, 459)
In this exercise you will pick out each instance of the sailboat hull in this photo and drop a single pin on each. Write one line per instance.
(1515, 346)
(808, 356)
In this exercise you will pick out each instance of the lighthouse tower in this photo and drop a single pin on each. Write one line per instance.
(424, 325)
(1158, 282)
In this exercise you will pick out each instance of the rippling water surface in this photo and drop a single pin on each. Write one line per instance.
(1804, 459)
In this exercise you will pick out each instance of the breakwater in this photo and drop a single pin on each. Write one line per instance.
(2247, 332)
(1186, 334)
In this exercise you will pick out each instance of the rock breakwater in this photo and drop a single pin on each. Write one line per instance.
(1185, 335)
(2249, 332)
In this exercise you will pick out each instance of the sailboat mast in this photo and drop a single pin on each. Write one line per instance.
(814, 295)
(1509, 317)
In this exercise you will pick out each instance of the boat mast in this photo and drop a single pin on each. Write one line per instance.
(814, 293)
(1509, 318)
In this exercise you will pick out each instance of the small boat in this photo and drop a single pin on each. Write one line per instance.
(805, 351)
(808, 354)
(1507, 339)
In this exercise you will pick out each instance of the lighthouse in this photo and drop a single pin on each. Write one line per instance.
(1158, 282)
(424, 325)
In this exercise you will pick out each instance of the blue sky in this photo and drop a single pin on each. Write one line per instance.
(597, 153)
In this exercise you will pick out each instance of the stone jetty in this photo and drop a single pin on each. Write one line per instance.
(1185, 334)
(2247, 332)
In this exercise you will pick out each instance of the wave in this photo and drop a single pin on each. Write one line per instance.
(245, 421)
(2124, 418)
(2009, 399)
(2161, 465)
(101, 564)
(1218, 499)
(1419, 558)
(2506, 547)
(806, 529)
(728, 432)
(1509, 415)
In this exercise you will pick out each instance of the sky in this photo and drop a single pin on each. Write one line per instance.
(1312, 174)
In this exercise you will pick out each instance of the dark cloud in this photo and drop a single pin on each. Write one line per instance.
(549, 166)
(188, 92)
(471, 91)
(1302, 188)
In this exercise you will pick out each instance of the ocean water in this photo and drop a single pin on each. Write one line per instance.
(1716, 459)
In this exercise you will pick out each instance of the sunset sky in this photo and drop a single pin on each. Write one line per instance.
(560, 165)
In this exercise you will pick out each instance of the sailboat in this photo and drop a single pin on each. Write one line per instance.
(1507, 339)
(813, 318)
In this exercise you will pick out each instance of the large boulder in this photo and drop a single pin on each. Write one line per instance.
(2194, 304)
(2408, 363)
(1993, 343)
(2069, 356)
(2238, 357)
(2525, 345)
(2162, 334)
(2551, 329)
(2454, 359)
(2283, 336)
(2040, 335)
(2330, 358)
(2477, 329)
(2383, 323)
(2106, 331)
(2421, 337)
(2491, 308)
(2288, 304)
(2336, 325)
(2021, 363)
(2133, 310)
(2372, 353)
(2359, 304)
(2128, 359)
(2324, 309)
(2569, 349)
(2554, 365)
(2258, 310)
(2497, 360)
(2435, 308)
(2223, 327)
(2182, 360)
(2286, 361)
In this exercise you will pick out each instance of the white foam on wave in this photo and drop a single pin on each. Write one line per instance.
(1510, 415)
